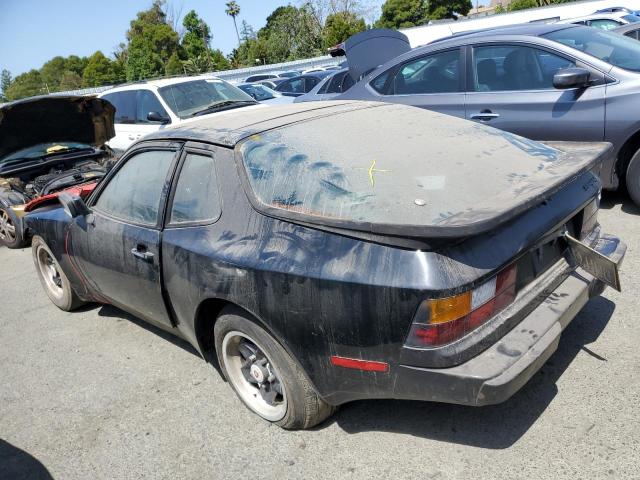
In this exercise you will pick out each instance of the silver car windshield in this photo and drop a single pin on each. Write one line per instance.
(612, 48)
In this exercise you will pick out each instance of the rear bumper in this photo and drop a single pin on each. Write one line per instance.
(501, 370)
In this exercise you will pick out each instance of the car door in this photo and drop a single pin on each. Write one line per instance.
(434, 81)
(119, 249)
(511, 88)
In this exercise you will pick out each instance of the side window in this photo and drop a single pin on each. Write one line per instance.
(310, 82)
(148, 102)
(135, 191)
(604, 24)
(437, 73)
(632, 34)
(347, 82)
(335, 84)
(379, 83)
(514, 67)
(196, 197)
(294, 86)
(125, 104)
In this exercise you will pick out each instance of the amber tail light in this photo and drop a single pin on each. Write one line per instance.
(444, 320)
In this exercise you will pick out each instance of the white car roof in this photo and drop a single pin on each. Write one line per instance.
(159, 83)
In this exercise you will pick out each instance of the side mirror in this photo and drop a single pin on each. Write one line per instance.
(571, 78)
(74, 205)
(157, 117)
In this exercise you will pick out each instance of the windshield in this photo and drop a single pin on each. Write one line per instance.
(44, 149)
(612, 48)
(326, 169)
(259, 92)
(631, 18)
(187, 98)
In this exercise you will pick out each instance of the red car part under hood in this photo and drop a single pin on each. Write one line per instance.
(81, 190)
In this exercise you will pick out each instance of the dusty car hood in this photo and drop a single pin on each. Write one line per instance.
(30, 122)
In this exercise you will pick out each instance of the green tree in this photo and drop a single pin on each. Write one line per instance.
(70, 81)
(499, 9)
(5, 83)
(174, 65)
(100, 71)
(151, 42)
(522, 5)
(246, 32)
(403, 14)
(26, 85)
(76, 64)
(52, 71)
(197, 35)
(438, 9)
(233, 10)
(340, 26)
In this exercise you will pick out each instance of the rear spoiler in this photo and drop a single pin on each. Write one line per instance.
(371, 48)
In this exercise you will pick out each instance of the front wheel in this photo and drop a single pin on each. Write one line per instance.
(53, 280)
(10, 231)
(633, 178)
(264, 376)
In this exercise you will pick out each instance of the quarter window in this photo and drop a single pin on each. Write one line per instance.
(196, 197)
(514, 67)
(135, 191)
(437, 73)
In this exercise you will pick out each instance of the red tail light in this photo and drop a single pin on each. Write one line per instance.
(445, 320)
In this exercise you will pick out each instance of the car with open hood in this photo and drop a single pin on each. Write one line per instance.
(326, 252)
(49, 144)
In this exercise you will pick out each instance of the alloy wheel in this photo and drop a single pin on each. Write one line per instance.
(49, 271)
(7, 228)
(254, 376)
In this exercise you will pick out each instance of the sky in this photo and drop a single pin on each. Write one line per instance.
(34, 31)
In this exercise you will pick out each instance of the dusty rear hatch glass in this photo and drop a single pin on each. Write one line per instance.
(404, 171)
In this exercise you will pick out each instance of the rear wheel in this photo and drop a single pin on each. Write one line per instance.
(264, 376)
(633, 178)
(54, 281)
(10, 233)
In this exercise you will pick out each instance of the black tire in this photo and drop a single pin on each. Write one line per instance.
(303, 407)
(11, 234)
(54, 281)
(633, 178)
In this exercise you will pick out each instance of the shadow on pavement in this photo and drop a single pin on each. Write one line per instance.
(494, 427)
(611, 199)
(114, 312)
(16, 464)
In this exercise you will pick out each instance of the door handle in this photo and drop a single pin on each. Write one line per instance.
(141, 252)
(484, 115)
(131, 137)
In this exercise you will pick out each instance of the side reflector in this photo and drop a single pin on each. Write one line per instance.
(356, 364)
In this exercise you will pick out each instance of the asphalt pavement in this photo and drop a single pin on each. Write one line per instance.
(98, 394)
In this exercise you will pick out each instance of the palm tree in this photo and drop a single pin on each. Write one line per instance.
(233, 10)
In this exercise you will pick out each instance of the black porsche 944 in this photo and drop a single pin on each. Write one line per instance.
(324, 253)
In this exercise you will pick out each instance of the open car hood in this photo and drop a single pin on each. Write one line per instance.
(37, 120)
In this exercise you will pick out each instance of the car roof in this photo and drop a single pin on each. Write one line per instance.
(159, 83)
(530, 29)
(229, 129)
